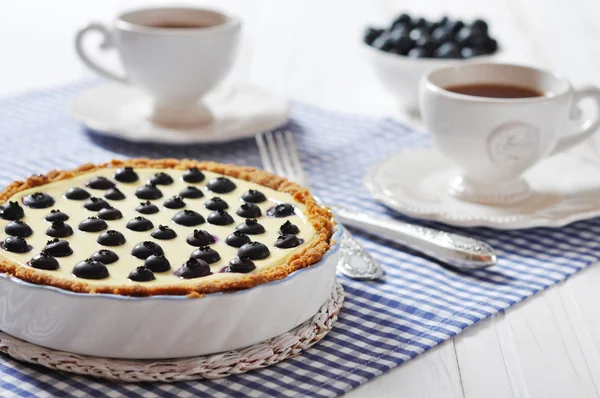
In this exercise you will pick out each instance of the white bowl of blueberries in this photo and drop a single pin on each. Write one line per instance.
(410, 47)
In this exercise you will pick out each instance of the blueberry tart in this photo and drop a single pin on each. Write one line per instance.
(62, 230)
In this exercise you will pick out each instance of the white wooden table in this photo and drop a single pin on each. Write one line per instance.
(308, 50)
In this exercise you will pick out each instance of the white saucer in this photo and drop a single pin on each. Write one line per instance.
(415, 182)
(119, 111)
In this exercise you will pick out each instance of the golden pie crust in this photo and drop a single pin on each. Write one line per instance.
(320, 218)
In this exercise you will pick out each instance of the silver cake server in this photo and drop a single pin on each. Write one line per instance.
(356, 262)
(457, 251)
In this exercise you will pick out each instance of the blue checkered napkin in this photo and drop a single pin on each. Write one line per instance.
(418, 305)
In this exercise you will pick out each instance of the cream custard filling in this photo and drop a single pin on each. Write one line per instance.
(177, 250)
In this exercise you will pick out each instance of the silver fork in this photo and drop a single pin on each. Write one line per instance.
(279, 156)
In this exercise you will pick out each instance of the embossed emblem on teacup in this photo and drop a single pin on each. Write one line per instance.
(514, 144)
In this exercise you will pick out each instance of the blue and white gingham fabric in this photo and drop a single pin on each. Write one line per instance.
(417, 306)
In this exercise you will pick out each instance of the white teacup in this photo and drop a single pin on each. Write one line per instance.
(176, 55)
(494, 140)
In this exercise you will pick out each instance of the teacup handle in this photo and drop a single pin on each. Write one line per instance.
(107, 43)
(585, 128)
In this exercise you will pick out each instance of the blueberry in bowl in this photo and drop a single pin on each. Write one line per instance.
(411, 46)
(407, 33)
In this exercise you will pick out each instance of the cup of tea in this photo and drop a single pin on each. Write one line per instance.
(175, 55)
(494, 121)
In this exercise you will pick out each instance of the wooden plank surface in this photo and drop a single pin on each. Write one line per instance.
(309, 50)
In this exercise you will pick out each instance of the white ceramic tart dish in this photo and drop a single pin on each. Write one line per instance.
(217, 293)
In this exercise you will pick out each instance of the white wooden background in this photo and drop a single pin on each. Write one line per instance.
(308, 50)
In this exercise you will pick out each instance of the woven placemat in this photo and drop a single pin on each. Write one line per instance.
(212, 366)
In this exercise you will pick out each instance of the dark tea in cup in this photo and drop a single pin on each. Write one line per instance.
(492, 90)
